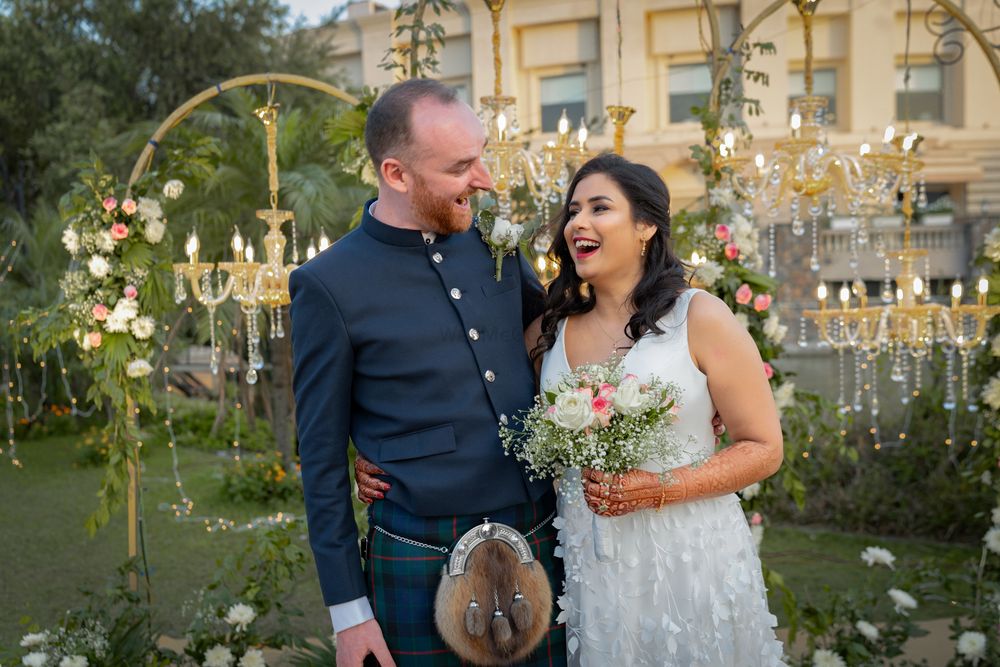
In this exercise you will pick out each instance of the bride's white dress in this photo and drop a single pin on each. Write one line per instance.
(684, 586)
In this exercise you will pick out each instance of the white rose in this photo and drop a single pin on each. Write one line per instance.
(71, 241)
(240, 616)
(629, 399)
(992, 539)
(126, 309)
(154, 231)
(868, 630)
(709, 273)
(972, 645)
(505, 234)
(98, 266)
(138, 368)
(35, 659)
(173, 189)
(253, 658)
(751, 491)
(902, 600)
(143, 327)
(74, 661)
(878, 556)
(218, 656)
(573, 410)
(824, 658)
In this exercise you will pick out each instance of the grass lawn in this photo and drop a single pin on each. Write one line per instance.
(46, 555)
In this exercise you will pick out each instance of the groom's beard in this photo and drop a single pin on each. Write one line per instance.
(439, 214)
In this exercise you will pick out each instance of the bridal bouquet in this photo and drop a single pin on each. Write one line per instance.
(598, 417)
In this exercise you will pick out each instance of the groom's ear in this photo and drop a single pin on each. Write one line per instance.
(395, 175)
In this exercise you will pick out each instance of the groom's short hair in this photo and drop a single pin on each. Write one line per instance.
(388, 131)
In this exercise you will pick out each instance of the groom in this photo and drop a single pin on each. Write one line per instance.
(405, 343)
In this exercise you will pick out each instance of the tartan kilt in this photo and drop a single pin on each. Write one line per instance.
(403, 579)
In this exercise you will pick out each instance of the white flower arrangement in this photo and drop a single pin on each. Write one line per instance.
(991, 244)
(972, 646)
(219, 656)
(784, 396)
(709, 272)
(743, 319)
(253, 658)
(33, 639)
(98, 266)
(992, 539)
(74, 661)
(173, 189)
(143, 327)
(774, 329)
(878, 556)
(826, 658)
(71, 241)
(150, 210)
(991, 392)
(240, 616)
(154, 232)
(867, 630)
(35, 659)
(750, 492)
(902, 601)
(139, 368)
(104, 241)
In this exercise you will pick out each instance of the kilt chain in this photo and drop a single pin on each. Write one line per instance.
(446, 550)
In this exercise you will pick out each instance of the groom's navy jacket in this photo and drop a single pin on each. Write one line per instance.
(416, 353)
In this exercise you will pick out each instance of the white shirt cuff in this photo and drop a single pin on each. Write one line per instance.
(348, 614)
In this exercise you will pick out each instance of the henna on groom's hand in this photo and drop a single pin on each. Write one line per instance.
(370, 488)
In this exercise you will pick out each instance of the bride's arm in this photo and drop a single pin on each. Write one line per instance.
(724, 351)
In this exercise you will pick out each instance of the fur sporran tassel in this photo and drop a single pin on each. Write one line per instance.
(475, 619)
(520, 610)
(501, 628)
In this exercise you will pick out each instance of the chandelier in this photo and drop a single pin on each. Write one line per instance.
(253, 285)
(546, 174)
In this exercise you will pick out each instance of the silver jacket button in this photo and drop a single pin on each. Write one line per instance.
(456, 293)
(437, 257)
(490, 376)
(474, 334)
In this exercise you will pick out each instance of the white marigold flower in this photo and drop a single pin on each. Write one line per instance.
(127, 309)
(71, 241)
(240, 616)
(143, 327)
(991, 244)
(218, 656)
(173, 188)
(253, 658)
(902, 601)
(98, 266)
(154, 232)
(116, 323)
(104, 241)
(972, 646)
(751, 491)
(868, 630)
(878, 556)
(825, 658)
(35, 659)
(992, 539)
(774, 329)
(138, 368)
(149, 210)
(991, 392)
(709, 272)
(784, 396)
(74, 661)
(34, 639)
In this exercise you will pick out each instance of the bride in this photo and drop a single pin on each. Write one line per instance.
(683, 585)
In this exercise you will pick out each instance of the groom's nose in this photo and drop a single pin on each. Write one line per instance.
(481, 179)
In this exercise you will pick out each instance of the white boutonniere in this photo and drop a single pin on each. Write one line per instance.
(500, 235)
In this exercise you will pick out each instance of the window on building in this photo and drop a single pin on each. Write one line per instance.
(690, 86)
(926, 93)
(824, 85)
(566, 91)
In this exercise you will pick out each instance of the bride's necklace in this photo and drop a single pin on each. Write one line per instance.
(615, 347)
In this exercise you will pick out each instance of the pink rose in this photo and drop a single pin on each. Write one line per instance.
(600, 404)
(109, 204)
(607, 390)
(131, 292)
(762, 302)
(94, 338)
(551, 410)
(744, 295)
(119, 231)
(633, 376)
(768, 370)
(722, 232)
(756, 519)
(100, 312)
(732, 251)
(128, 206)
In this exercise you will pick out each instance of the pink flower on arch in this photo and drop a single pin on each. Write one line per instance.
(756, 519)
(109, 204)
(768, 370)
(100, 312)
(762, 302)
(128, 206)
(744, 294)
(131, 292)
(732, 251)
(722, 232)
(119, 231)
(94, 338)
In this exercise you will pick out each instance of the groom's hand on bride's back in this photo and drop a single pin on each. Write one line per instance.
(356, 642)
(370, 487)
(718, 428)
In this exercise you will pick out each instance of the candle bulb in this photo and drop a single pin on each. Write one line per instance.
(581, 136)
(890, 132)
(730, 141)
(821, 294)
(324, 241)
(501, 126)
(845, 296)
(237, 244)
(249, 254)
(984, 288)
(956, 294)
(865, 149)
(695, 258)
(563, 124)
(759, 160)
(796, 123)
(918, 289)
(191, 247)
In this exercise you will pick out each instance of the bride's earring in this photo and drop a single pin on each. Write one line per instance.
(643, 252)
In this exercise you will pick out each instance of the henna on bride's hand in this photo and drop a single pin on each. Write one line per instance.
(370, 488)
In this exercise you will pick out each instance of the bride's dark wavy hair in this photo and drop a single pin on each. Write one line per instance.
(662, 275)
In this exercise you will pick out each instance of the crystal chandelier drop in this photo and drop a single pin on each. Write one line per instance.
(546, 174)
(253, 285)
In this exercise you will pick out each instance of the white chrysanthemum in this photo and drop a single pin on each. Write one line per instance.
(240, 616)
(743, 319)
(784, 396)
(149, 209)
(774, 329)
(995, 516)
(878, 556)
(902, 601)
(71, 241)
(253, 658)
(143, 327)
(154, 231)
(138, 368)
(218, 656)
(991, 392)
(127, 309)
(104, 241)
(35, 659)
(992, 539)
(991, 244)
(825, 658)
(173, 189)
(709, 273)
(721, 197)
(34, 639)
(868, 630)
(98, 266)
(74, 661)
(751, 491)
(972, 645)
(116, 323)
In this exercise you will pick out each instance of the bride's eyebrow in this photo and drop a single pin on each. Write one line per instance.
(595, 198)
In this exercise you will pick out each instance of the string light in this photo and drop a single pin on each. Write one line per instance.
(9, 252)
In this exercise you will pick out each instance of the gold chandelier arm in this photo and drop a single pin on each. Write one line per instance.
(268, 115)
(495, 7)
